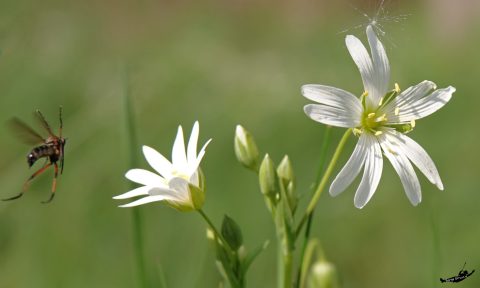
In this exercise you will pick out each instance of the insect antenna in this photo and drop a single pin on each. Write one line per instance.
(44, 122)
(61, 121)
(463, 267)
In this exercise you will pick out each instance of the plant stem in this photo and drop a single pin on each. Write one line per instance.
(323, 154)
(323, 182)
(137, 221)
(234, 279)
(216, 232)
(285, 265)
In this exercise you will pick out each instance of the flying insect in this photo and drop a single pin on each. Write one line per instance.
(51, 148)
(462, 275)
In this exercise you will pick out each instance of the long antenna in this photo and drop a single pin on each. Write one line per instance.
(463, 266)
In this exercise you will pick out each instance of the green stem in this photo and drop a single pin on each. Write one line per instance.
(323, 154)
(234, 279)
(285, 266)
(137, 220)
(323, 182)
(216, 232)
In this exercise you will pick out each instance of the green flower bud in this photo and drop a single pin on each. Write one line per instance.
(268, 179)
(287, 178)
(245, 148)
(323, 275)
(232, 233)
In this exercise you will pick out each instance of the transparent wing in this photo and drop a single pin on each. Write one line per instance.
(24, 132)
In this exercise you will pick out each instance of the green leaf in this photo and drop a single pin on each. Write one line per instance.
(253, 255)
(232, 233)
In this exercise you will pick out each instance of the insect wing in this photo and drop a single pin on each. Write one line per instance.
(43, 122)
(24, 132)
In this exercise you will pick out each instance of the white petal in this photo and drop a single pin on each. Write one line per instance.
(192, 143)
(404, 170)
(424, 106)
(167, 192)
(418, 156)
(193, 166)
(406, 98)
(134, 193)
(179, 158)
(195, 178)
(381, 66)
(332, 116)
(158, 162)
(146, 200)
(332, 96)
(147, 190)
(364, 63)
(351, 169)
(427, 105)
(145, 177)
(371, 174)
(180, 186)
(412, 94)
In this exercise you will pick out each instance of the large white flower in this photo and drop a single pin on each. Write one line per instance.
(380, 118)
(179, 183)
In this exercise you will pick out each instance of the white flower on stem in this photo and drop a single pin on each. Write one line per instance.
(179, 183)
(380, 118)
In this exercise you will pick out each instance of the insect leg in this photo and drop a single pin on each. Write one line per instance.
(54, 184)
(25, 185)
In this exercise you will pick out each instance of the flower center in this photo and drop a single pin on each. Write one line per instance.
(176, 173)
(372, 121)
(373, 118)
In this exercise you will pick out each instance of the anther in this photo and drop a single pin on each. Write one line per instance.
(371, 115)
(357, 131)
(365, 94)
(378, 133)
(412, 123)
(380, 102)
(381, 118)
(397, 88)
(397, 111)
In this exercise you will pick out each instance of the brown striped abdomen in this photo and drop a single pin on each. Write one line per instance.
(39, 152)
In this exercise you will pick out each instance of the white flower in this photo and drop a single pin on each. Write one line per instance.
(380, 118)
(179, 182)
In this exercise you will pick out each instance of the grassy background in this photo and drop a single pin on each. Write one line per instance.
(223, 63)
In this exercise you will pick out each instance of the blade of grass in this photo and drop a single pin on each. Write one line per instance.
(137, 221)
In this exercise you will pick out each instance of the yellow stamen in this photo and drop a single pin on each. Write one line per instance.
(397, 88)
(365, 94)
(381, 102)
(381, 118)
(371, 115)
(357, 132)
(378, 133)
(412, 123)
(397, 111)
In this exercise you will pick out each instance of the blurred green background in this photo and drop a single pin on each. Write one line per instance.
(225, 63)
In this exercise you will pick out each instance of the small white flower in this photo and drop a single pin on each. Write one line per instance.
(380, 118)
(179, 182)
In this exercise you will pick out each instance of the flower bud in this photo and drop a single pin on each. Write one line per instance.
(287, 178)
(232, 233)
(323, 274)
(268, 179)
(245, 148)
